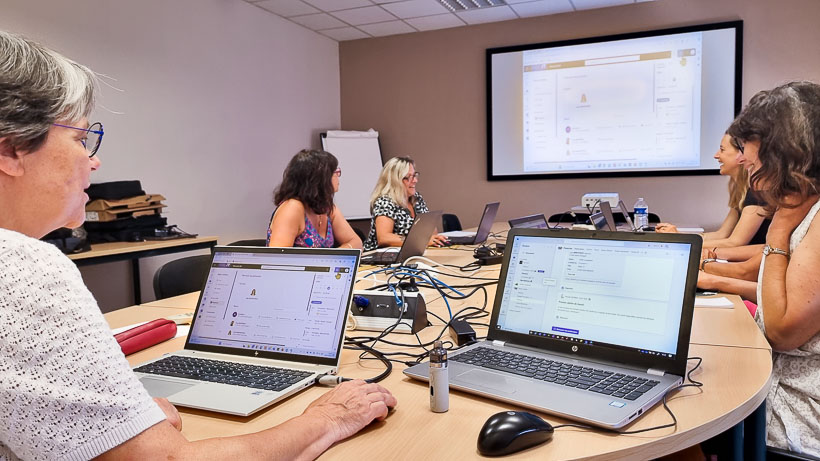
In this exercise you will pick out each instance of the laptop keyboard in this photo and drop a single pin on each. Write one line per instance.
(217, 371)
(592, 379)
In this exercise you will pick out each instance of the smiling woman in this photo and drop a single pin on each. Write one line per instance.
(779, 132)
(67, 391)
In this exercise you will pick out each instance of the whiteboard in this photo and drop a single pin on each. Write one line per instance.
(360, 159)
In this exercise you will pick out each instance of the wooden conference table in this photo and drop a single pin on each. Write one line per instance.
(133, 251)
(736, 373)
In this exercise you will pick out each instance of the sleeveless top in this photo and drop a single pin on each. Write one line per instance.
(793, 402)
(760, 235)
(402, 219)
(310, 237)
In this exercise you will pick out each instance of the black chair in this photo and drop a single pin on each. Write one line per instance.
(450, 222)
(249, 243)
(778, 454)
(567, 219)
(359, 233)
(181, 276)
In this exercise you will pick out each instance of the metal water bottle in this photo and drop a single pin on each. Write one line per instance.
(439, 379)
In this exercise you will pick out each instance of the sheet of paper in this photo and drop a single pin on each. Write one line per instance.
(713, 301)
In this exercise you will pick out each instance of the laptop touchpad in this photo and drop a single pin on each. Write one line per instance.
(490, 380)
(163, 388)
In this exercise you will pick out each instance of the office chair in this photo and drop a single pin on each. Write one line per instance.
(450, 222)
(248, 243)
(181, 276)
(778, 454)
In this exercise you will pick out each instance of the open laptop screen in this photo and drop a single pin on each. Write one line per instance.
(283, 301)
(621, 293)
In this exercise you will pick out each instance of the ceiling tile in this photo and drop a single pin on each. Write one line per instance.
(481, 15)
(439, 21)
(542, 7)
(344, 33)
(287, 7)
(335, 5)
(366, 15)
(590, 4)
(510, 2)
(415, 8)
(318, 21)
(387, 28)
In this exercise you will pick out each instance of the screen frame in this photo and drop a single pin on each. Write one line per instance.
(256, 353)
(675, 365)
(489, 52)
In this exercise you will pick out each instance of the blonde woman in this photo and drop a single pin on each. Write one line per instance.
(394, 204)
(746, 223)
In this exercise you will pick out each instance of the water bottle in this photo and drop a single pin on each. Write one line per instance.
(641, 210)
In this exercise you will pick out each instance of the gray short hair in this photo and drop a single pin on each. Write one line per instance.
(39, 87)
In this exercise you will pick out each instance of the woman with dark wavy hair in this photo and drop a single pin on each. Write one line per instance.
(779, 137)
(305, 215)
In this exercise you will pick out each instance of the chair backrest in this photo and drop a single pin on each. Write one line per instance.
(248, 243)
(450, 222)
(181, 276)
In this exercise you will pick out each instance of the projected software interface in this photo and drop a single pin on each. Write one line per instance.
(613, 106)
(291, 303)
(621, 293)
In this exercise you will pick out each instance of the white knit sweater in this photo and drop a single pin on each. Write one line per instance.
(66, 390)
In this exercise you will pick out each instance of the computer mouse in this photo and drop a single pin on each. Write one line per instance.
(512, 431)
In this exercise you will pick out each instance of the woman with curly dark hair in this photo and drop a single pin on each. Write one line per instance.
(305, 215)
(779, 138)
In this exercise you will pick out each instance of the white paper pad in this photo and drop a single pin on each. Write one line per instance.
(718, 301)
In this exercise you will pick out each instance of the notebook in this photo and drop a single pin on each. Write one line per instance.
(269, 321)
(593, 326)
(479, 236)
(414, 244)
(535, 221)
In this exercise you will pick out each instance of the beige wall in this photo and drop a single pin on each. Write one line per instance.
(204, 101)
(425, 93)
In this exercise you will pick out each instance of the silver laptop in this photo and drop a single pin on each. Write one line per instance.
(268, 323)
(414, 244)
(535, 221)
(480, 235)
(589, 325)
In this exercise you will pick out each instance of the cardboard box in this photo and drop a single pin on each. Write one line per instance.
(120, 213)
(139, 201)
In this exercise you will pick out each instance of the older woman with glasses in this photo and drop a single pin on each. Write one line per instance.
(305, 215)
(67, 391)
(394, 204)
(779, 135)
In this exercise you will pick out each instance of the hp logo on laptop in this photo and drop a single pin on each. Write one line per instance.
(574, 348)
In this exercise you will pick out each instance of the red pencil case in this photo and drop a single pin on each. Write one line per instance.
(146, 335)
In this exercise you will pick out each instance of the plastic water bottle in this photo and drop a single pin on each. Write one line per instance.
(641, 210)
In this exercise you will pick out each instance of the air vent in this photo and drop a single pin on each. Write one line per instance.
(465, 5)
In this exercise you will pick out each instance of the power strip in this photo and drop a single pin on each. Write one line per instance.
(377, 310)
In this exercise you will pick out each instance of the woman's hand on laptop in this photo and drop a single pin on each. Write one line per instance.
(351, 406)
(171, 413)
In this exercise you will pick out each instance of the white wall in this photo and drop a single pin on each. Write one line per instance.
(208, 100)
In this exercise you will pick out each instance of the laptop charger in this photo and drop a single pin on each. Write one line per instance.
(489, 260)
(461, 332)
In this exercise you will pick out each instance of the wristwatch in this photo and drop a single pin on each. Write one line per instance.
(770, 250)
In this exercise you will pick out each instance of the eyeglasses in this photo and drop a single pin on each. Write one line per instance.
(93, 137)
(738, 144)
(338, 172)
(411, 176)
